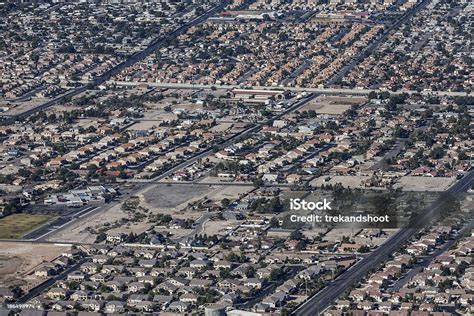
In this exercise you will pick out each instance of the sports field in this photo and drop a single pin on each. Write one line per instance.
(16, 225)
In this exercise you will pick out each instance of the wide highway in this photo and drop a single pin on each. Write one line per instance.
(356, 91)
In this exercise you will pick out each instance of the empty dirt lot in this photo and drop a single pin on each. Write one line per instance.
(18, 260)
(332, 105)
(170, 196)
(424, 183)
(160, 198)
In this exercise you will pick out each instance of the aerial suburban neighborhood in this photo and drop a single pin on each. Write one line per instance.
(237, 157)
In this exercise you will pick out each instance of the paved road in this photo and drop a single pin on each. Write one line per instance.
(392, 153)
(220, 183)
(143, 186)
(290, 272)
(43, 286)
(294, 89)
(375, 44)
(298, 71)
(129, 62)
(323, 299)
(71, 215)
(233, 139)
(198, 226)
(51, 232)
(31, 242)
(334, 79)
(428, 259)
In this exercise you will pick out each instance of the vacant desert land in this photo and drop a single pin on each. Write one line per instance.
(160, 198)
(16, 225)
(167, 197)
(332, 105)
(18, 259)
(157, 199)
(424, 183)
(346, 181)
(218, 227)
(78, 232)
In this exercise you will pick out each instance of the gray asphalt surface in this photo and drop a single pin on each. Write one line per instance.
(322, 300)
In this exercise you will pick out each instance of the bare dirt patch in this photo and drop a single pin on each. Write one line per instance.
(160, 198)
(424, 183)
(218, 227)
(346, 181)
(172, 196)
(18, 260)
(79, 230)
(332, 104)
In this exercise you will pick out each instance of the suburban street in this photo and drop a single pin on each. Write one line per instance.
(323, 299)
(48, 231)
(129, 62)
(43, 286)
(198, 226)
(429, 258)
(373, 46)
(71, 215)
(236, 157)
(390, 154)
